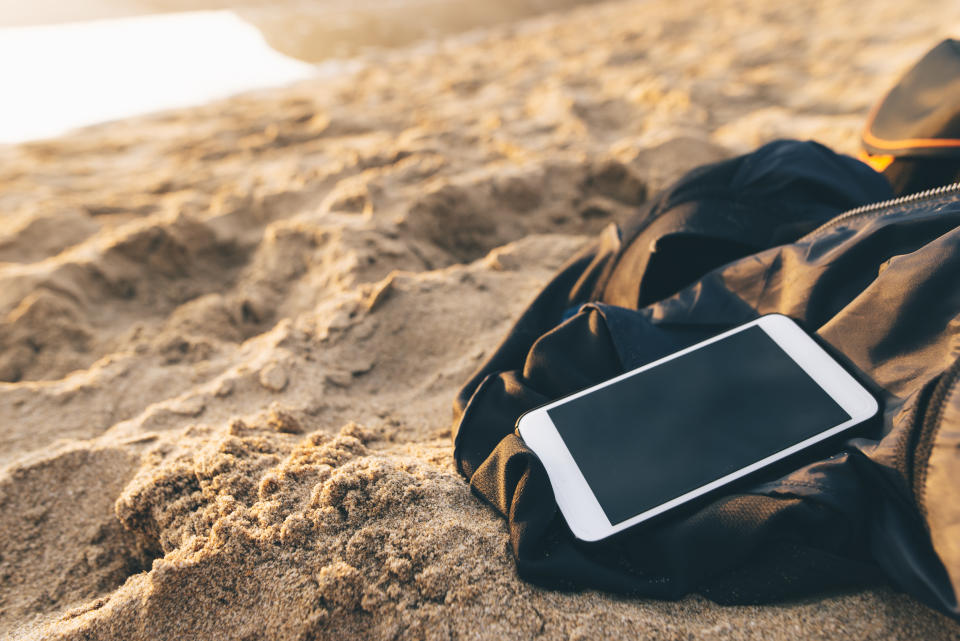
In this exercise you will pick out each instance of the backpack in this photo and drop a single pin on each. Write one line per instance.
(789, 228)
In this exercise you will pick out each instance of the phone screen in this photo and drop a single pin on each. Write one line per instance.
(665, 431)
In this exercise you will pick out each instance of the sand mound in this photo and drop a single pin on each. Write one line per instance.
(230, 336)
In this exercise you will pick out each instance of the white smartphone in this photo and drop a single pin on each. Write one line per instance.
(652, 439)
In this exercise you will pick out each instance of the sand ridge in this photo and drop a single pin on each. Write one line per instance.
(230, 335)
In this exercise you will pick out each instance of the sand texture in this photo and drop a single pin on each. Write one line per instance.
(230, 336)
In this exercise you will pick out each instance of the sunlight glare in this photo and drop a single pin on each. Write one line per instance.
(57, 77)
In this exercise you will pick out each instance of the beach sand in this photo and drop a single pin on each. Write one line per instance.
(231, 335)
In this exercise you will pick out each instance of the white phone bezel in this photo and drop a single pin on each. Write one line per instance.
(576, 500)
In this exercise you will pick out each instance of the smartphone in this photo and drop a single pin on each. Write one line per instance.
(659, 436)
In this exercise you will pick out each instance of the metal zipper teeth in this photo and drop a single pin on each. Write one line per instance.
(884, 204)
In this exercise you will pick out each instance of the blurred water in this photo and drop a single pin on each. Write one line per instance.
(56, 75)
(307, 29)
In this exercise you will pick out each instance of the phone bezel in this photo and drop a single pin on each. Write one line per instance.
(576, 500)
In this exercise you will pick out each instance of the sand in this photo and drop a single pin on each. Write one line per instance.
(230, 335)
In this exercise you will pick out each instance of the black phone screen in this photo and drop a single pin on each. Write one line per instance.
(665, 431)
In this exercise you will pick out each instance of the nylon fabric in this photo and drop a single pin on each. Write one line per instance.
(719, 248)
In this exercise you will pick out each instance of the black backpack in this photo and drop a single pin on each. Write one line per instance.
(788, 229)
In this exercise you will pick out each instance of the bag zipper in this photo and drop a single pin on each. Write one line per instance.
(872, 208)
(923, 449)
